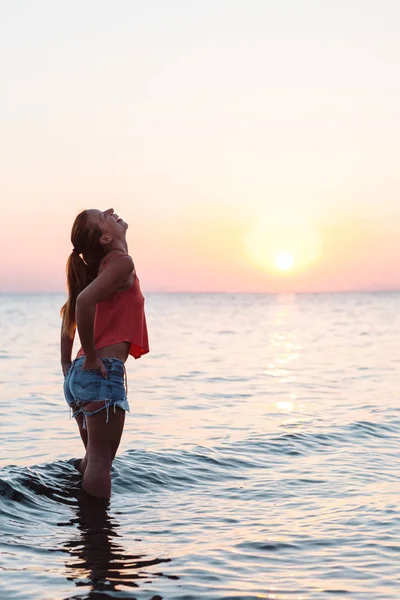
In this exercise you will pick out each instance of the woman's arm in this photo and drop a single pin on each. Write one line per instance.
(66, 344)
(105, 284)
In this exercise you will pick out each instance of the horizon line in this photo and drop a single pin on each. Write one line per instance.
(243, 293)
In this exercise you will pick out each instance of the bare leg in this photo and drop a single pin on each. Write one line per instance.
(103, 442)
(81, 466)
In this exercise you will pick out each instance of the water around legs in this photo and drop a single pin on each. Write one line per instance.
(102, 443)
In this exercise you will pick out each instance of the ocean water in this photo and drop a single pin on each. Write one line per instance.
(260, 458)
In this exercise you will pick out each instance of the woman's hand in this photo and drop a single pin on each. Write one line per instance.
(65, 367)
(95, 364)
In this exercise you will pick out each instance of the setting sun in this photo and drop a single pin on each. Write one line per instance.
(283, 242)
(284, 261)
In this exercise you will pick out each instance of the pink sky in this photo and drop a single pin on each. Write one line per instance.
(225, 134)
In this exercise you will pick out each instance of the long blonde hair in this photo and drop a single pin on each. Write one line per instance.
(82, 266)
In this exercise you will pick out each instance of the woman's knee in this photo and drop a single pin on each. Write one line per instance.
(100, 456)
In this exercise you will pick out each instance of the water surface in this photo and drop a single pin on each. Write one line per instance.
(260, 458)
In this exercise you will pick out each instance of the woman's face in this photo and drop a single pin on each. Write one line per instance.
(110, 224)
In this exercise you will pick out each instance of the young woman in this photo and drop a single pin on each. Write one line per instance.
(106, 305)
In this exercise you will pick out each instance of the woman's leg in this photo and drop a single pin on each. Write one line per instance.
(102, 443)
(81, 465)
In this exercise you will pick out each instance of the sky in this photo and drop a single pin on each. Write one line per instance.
(251, 145)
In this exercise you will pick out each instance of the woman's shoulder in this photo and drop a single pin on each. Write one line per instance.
(128, 272)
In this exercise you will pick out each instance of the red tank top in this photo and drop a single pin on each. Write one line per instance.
(121, 318)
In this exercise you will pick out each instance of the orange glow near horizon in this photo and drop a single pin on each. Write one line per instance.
(216, 252)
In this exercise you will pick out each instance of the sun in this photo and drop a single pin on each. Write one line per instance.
(283, 242)
(284, 261)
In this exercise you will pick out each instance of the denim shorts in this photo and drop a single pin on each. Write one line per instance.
(82, 386)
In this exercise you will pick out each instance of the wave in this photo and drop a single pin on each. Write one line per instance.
(143, 471)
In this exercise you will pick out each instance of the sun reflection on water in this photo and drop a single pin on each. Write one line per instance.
(284, 353)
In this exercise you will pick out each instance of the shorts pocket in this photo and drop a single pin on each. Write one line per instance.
(86, 385)
(67, 393)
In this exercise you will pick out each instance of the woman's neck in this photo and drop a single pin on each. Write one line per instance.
(117, 247)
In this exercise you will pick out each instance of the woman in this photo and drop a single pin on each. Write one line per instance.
(106, 304)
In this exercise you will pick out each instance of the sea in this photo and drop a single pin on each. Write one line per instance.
(260, 458)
